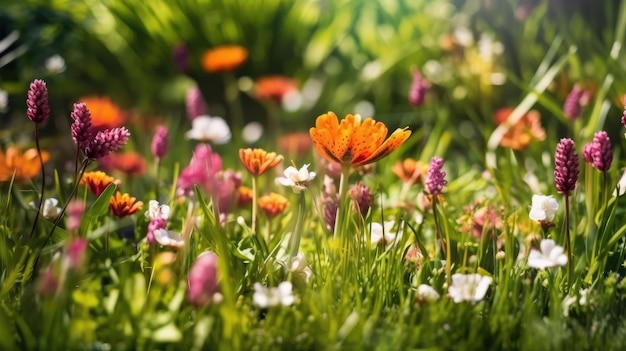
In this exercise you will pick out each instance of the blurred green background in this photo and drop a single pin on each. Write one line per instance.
(346, 56)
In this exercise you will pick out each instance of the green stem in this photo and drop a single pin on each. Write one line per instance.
(568, 243)
(447, 242)
(254, 204)
(157, 173)
(234, 104)
(297, 233)
(343, 190)
(43, 181)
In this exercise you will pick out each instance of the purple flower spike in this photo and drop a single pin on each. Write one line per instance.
(196, 106)
(82, 133)
(565, 166)
(435, 177)
(106, 142)
(362, 197)
(599, 152)
(419, 88)
(160, 142)
(180, 55)
(37, 102)
(573, 103)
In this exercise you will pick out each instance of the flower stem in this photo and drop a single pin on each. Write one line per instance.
(157, 173)
(568, 243)
(43, 181)
(234, 104)
(254, 203)
(447, 242)
(343, 190)
(297, 233)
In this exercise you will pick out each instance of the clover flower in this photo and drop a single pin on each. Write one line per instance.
(105, 142)
(203, 280)
(38, 110)
(160, 142)
(598, 152)
(565, 166)
(435, 178)
(297, 179)
(468, 287)
(352, 141)
(82, 131)
(551, 255)
(265, 297)
(543, 208)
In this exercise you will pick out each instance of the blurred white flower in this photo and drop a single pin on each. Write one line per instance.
(300, 266)
(620, 189)
(50, 209)
(543, 208)
(297, 179)
(427, 293)
(468, 287)
(292, 101)
(265, 297)
(168, 238)
(156, 210)
(252, 132)
(55, 64)
(381, 234)
(551, 255)
(209, 129)
(4, 101)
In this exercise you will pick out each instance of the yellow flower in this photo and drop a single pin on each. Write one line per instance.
(123, 205)
(273, 204)
(354, 142)
(224, 58)
(258, 161)
(25, 166)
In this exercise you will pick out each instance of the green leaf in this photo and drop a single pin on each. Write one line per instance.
(99, 208)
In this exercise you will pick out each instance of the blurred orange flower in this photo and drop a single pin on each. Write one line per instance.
(224, 58)
(97, 181)
(104, 113)
(273, 87)
(258, 161)
(297, 144)
(25, 166)
(123, 205)
(527, 129)
(131, 163)
(273, 204)
(410, 170)
(353, 142)
(244, 196)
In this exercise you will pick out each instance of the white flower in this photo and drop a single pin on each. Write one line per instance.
(168, 238)
(265, 297)
(252, 132)
(4, 101)
(55, 64)
(468, 287)
(620, 189)
(299, 266)
(210, 129)
(427, 293)
(381, 234)
(50, 209)
(156, 210)
(298, 180)
(551, 255)
(543, 208)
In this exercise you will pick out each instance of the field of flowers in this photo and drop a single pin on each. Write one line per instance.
(312, 175)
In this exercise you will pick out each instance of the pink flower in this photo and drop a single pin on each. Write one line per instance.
(419, 88)
(203, 279)
(38, 110)
(436, 178)
(160, 142)
(599, 152)
(565, 166)
(82, 131)
(105, 142)
(201, 171)
(196, 106)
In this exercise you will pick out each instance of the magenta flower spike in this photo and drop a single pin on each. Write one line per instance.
(565, 166)
(194, 101)
(38, 110)
(436, 178)
(599, 152)
(203, 279)
(362, 197)
(105, 142)
(160, 142)
(82, 132)
(419, 88)
(573, 103)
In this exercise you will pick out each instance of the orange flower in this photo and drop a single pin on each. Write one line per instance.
(410, 171)
(258, 161)
(353, 142)
(131, 163)
(297, 144)
(97, 181)
(527, 129)
(25, 166)
(224, 58)
(273, 204)
(104, 113)
(123, 205)
(244, 196)
(273, 87)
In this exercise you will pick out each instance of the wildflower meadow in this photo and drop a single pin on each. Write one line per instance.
(312, 175)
